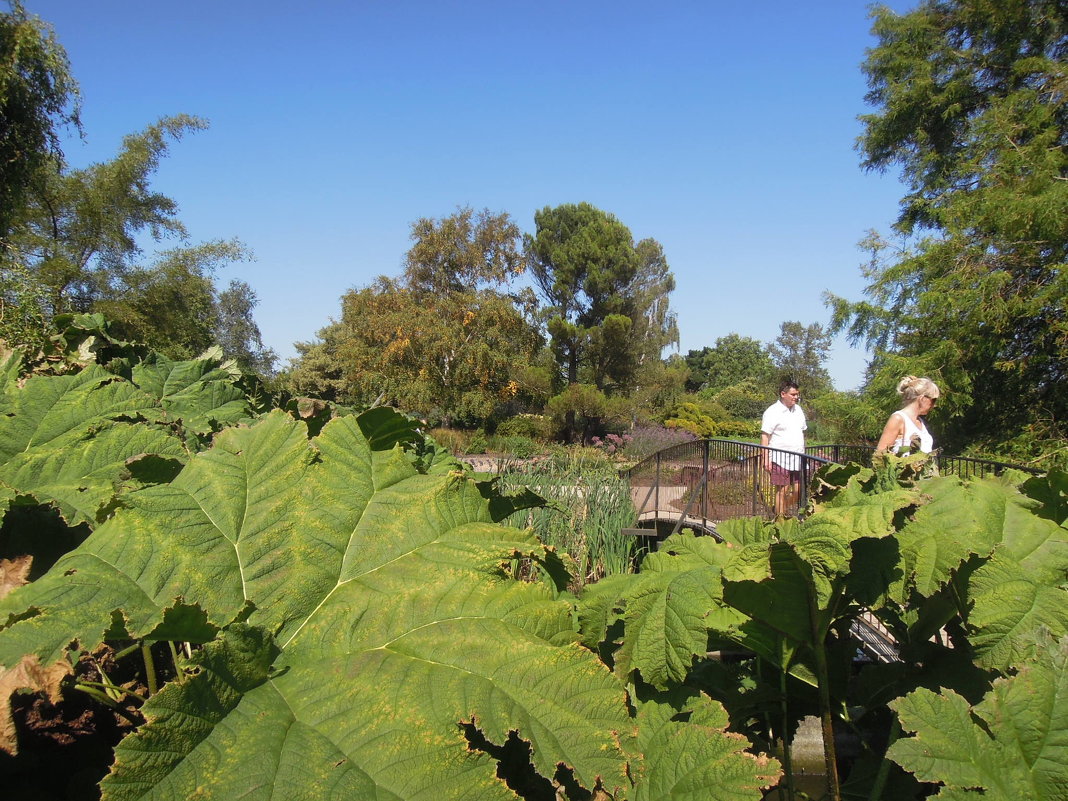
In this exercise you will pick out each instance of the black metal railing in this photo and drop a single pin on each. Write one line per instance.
(966, 467)
(842, 454)
(703, 482)
(963, 466)
(700, 483)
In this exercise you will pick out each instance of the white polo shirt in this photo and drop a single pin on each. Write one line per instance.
(785, 428)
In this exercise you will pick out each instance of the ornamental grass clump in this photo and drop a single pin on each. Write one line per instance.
(586, 513)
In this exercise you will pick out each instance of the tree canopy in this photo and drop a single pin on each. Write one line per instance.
(463, 251)
(38, 96)
(444, 340)
(606, 297)
(800, 352)
(733, 359)
(80, 229)
(971, 104)
(75, 245)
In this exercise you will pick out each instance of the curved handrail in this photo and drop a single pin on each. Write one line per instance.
(714, 479)
(964, 466)
(711, 480)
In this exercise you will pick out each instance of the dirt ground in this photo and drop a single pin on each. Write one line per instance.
(64, 748)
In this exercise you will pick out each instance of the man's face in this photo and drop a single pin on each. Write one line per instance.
(789, 397)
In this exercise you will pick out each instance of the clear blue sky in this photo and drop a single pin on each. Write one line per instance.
(724, 130)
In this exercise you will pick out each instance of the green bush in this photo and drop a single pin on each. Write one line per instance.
(522, 447)
(737, 429)
(691, 417)
(478, 443)
(532, 426)
(743, 400)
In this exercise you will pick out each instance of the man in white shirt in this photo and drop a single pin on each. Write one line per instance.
(783, 426)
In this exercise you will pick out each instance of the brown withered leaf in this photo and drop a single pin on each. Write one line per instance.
(14, 573)
(28, 674)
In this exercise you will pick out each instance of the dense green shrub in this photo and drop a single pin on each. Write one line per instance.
(737, 429)
(533, 426)
(744, 400)
(691, 417)
(477, 444)
(520, 447)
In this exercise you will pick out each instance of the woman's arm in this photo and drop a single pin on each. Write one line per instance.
(892, 431)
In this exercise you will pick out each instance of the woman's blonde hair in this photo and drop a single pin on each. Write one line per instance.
(910, 387)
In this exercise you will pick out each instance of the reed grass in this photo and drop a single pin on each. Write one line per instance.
(589, 506)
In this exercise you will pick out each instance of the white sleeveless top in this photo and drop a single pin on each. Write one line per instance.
(904, 442)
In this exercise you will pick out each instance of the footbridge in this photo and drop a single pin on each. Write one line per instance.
(699, 484)
(696, 485)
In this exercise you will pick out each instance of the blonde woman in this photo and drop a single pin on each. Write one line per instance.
(906, 425)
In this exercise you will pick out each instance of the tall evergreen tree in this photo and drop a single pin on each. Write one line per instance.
(606, 297)
(971, 102)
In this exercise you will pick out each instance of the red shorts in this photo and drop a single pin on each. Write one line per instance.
(781, 477)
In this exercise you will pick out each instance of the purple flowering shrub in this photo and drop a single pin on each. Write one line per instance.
(641, 442)
(612, 444)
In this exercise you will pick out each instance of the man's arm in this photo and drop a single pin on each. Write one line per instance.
(765, 438)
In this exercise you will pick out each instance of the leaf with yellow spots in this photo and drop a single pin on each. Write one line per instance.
(370, 638)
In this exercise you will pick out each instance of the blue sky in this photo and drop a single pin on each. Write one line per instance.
(724, 130)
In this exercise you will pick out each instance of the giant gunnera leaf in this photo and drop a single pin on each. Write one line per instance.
(692, 757)
(1019, 587)
(667, 611)
(68, 440)
(201, 392)
(1012, 745)
(370, 640)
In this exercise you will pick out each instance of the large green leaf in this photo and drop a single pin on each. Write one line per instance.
(50, 411)
(81, 477)
(774, 589)
(1018, 586)
(746, 531)
(1051, 491)
(792, 590)
(962, 519)
(667, 611)
(667, 621)
(1014, 744)
(10, 368)
(1009, 604)
(681, 551)
(696, 760)
(199, 392)
(70, 441)
(394, 624)
(865, 507)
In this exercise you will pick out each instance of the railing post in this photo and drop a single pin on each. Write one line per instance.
(656, 495)
(757, 466)
(704, 485)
